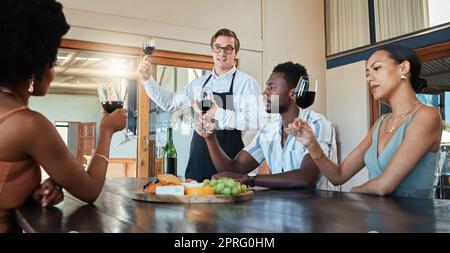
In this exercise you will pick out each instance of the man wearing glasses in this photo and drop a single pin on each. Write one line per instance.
(235, 108)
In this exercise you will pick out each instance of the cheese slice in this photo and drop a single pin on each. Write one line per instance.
(192, 184)
(200, 191)
(177, 190)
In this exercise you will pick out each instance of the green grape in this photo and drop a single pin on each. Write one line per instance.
(226, 191)
(236, 190)
(206, 182)
(231, 183)
(213, 182)
(243, 188)
(219, 188)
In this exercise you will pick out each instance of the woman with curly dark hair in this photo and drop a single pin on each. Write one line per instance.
(30, 34)
(401, 148)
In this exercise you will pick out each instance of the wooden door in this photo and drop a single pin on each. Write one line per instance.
(86, 140)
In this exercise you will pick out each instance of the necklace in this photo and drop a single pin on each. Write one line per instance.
(399, 118)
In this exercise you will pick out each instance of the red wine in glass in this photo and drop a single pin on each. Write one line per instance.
(305, 99)
(111, 106)
(148, 50)
(111, 100)
(148, 46)
(304, 96)
(205, 105)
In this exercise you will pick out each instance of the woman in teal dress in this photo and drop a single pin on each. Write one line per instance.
(400, 150)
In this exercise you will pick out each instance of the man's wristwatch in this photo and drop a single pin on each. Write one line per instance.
(251, 181)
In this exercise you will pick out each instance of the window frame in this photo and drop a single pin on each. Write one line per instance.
(372, 31)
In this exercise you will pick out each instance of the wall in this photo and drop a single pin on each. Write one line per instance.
(294, 30)
(438, 12)
(71, 108)
(348, 109)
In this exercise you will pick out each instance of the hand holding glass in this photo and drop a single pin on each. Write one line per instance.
(110, 100)
(205, 103)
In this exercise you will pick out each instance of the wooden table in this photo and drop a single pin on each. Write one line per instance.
(269, 211)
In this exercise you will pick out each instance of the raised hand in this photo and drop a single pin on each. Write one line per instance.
(302, 132)
(114, 121)
(145, 68)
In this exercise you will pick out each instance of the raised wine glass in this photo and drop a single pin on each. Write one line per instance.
(304, 93)
(148, 45)
(111, 100)
(205, 103)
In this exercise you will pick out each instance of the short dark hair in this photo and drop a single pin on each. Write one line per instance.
(292, 72)
(30, 35)
(402, 53)
(228, 33)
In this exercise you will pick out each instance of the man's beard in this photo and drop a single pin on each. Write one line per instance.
(275, 107)
(282, 109)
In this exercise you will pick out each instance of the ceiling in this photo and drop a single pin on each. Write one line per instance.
(437, 73)
(81, 72)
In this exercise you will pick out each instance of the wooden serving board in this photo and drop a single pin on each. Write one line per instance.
(145, 196)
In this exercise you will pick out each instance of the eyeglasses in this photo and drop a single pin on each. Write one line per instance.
(218, 49)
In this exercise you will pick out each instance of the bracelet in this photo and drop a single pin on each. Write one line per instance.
(320, 157)
(102, 156)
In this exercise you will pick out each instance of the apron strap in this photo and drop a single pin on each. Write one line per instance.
(207, 80)
(232, 83)
(231, 86)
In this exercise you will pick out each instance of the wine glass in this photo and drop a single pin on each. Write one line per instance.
(304, 94)
(205, 103)
(111, 100)
(148, 45)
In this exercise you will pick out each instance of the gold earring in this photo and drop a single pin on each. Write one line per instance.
(403, 77)
(31, 86)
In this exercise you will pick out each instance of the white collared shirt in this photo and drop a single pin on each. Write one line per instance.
(266, 145)
(246, 91)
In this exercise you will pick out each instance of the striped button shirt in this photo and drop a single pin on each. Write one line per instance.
(266, 145)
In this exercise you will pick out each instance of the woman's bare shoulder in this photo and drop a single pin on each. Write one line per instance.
(429, 113)
(20, 131)
(29, 121)
(428, 117)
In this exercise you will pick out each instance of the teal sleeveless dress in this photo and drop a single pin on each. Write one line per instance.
(419, 182)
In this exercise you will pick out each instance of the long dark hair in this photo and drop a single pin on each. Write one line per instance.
(400, 54)
(30, 35)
